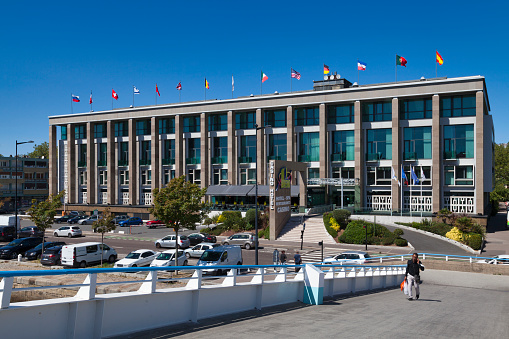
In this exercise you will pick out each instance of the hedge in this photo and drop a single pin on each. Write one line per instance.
(326, 222)
(355, 233)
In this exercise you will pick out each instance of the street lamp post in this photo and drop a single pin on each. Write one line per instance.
(256, 189)
(16, 186)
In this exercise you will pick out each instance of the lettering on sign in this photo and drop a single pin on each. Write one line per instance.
(271, 185)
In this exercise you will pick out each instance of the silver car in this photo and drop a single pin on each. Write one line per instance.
(245, 240)
(170, 241)
(198, 250)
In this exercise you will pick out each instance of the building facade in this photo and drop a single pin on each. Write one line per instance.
(440, 129)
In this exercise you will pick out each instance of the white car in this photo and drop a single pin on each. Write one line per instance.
(348, 258)
(166, 258)
(88, 221)
(197, 251)
(68, 231)
(137, 258)
(169, 241)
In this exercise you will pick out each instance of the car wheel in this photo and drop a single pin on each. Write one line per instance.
(55, 235)
(158, 245)
(247, 246)
(226, 243)
(188, 255)
(134, 265)
(14, 255)
(69, 235)
(83, 264)
(111, 259)
(185, 263)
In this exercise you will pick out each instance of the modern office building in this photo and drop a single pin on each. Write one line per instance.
(440, 127)
(32, 181)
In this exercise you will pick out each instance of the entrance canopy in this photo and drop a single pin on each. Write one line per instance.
(244, 190)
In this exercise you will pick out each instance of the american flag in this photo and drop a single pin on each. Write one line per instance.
(295, 74)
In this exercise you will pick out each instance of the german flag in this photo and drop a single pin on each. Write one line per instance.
(440, 60)
(325, 69)
(206, 84)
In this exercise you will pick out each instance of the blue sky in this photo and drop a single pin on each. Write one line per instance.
(53, 49)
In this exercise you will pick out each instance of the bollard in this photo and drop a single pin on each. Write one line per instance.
(19, 257)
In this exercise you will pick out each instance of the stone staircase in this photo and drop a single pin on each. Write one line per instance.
(315, 230)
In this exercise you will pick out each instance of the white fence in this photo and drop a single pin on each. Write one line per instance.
(460, 204)
(379, 202)
(418, 204)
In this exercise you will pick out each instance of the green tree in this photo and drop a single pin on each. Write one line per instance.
(43, 213)
(103, 225)
(179, 205)
(41, 150)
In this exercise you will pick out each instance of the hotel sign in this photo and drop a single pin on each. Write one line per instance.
(280, 181)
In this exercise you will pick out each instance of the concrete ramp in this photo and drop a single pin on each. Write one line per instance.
(315, 230)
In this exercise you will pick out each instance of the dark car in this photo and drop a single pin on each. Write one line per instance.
(209, 238)
(75, 219)
(64, 218)
(51, 256)
(7, 233)
(30, 231)
(12, 249)
(35, 253)
(130, 222)
(196, 238)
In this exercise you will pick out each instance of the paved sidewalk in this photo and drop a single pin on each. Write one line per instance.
(497, 235)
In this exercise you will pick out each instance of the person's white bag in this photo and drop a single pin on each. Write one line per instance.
(406, 288)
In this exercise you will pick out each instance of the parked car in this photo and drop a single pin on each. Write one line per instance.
(209, 238)
(502, 259)
(196, 238)
(197, 251)
(64, 218)
(131, 222)
(245, 240)
(166, 258)
(80, 255)
(12, 249)
(7, 233)
(137, 258)
(155, 223)
(68, 231)
(76, 219)
(169, 241)
(348, 258)
(120, 218)
(35, 253)
(220, 255)
(30, 231)
(90, 220)
(51, 256)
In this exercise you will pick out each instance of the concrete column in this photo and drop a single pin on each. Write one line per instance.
(479, 153)
(436, 155)
(91, 165)
(260, 140)
(303, 191)
(133, 164)
(72, 183)
(396, 154)
(290, 136)
(323, 142)
(179, 146)
(204, 150)
(53, 164)
(155, 160)
(359, 153)
(111, 164)
(232, 150)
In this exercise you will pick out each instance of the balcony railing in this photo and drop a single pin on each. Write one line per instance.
(123, 162)
(168, 161)
(82, 164)
(336, 157)
(409, 155)
(102, 163)
(456, 155)
(145, 162)
(219, 160)
(245, 160)
(307, 158)
(373, 156)
(274, 157)
(192, 161)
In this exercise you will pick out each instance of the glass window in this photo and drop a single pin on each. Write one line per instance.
(168, 151)
(218, 122)
(458, 106)
(416, 109)
(343, 145)
(192, 124)
(417, 143)
(146, 177)
(458, 141)
(102, 156)
(145, 151)
(121, 129)
(123, 153)
(313, 173)
(459, 175)
(100, 130)
(379, 176)
(220, 176)
(340, 114)
(247, 176)
(379, 144)
(82, 156)
(143, 127)
(124, 177)
(377, 111)
(219, 150)
(168, 175)
(103, 177)
(63, 132)
(80, 132)
(245, 120)
(194, 176)
(306, 116)
(426, 180)
(309, 147)
(167, 126)
(247, 148)
(193, 149)
(275, 118)
(277, 147)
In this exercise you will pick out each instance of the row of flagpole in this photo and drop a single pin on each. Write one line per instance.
(413, 177)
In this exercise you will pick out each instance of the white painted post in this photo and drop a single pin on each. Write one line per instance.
(259, 276)
(149, 286)
(381, 260)
(6, 291)
(87, 292)
(281, 276)
(446, 258)
(470, 259)
(195, 282)
(313, 285)
(424, 256)
(231, 278)
(402, 258)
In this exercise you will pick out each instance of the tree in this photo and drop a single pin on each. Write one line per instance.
(179, 205)
(43, 213)
(103, 225)
(41, 150)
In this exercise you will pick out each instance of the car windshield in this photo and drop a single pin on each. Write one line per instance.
(133, 255)
(15, 242)
(210, 256)
(341, 256)
(165, 256)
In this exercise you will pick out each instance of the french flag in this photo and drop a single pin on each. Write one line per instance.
(75, 98)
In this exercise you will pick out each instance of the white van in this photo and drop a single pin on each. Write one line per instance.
(219, 256)
(80, 255)
(9, 220)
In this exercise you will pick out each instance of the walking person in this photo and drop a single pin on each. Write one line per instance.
(283, 258)
(298, 261)
(275, 258)
(412, 277)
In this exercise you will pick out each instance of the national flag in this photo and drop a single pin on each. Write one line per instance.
(403, 177)
(264, 77)
(135, 90)
(325, 69)
(295, 74)
(423, 177)
(157, 91)
(90, 101)
(400, 61)
(75, 98)
(394, 177)
(179, 86)
(206, 84)
(233, 84)
(414, 176)
(361, 66)
(114, 94)
(440, 60)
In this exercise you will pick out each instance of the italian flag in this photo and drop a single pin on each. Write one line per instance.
(264, 77)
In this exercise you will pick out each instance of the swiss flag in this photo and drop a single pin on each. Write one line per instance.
(114, 94)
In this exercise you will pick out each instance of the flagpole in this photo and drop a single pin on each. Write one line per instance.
(133, 95)
(291, 78)
(401, 188)
(232, 85)
(359, 78)
(261, 83)
(205, 89)
(155, 94)
(71, 106)
(411, 178)
(112, 99)
(396, 67)
(91, 102)
(180, 90)
(436, 66)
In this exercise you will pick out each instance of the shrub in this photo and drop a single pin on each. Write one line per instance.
(400, 242)
(474, 240)
(374, 240)
(213, 231)
(443, 214)
(386, 241)
(207, 221)
(334, 224)
(355, 232)
(464, 224)
(455, 234)
(232, 220)
(398, 232)
(326, 219)
(342, 217)
(265, 233)
(251, 216)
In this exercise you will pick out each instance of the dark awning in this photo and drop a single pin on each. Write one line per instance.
(244, 190)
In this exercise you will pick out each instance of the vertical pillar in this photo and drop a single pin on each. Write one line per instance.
(155, 165)
(53, 157)
(359, 155)
(133, 164)
(290, 135)
(91, 165)
(260, 141)
(396, 155)
(436, 155)
(323, 141)
(179, 146)
(71, 166)
(111, 163)
(204, 150)
(479, 153)
(232, 150)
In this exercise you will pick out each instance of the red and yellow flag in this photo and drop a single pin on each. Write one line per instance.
(440, 60)
(206, 84)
